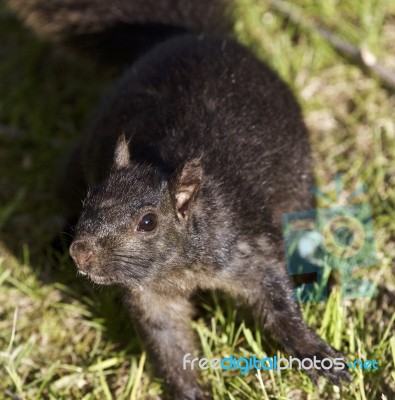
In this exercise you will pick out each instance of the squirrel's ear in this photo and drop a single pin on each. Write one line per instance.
(121, 155)
(185, 185)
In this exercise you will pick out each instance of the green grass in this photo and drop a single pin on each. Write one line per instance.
(60, 338)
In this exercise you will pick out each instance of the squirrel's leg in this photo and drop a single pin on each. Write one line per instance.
(164, 325)
(272, 300)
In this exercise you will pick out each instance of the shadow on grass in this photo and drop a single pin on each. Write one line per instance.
(46, 99)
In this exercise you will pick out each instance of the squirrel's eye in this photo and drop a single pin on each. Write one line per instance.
(148, 223)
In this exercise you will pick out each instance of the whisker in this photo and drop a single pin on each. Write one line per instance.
(67, 234)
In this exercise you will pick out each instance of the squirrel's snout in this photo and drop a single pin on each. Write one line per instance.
(81, 251)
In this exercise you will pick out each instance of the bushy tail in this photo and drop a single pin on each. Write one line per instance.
(122, 28)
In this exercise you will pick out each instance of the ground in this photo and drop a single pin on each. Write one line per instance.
(61, 338)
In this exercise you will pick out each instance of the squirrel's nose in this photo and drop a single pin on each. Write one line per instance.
(81, 252)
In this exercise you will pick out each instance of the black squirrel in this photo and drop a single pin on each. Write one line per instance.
(192, 158)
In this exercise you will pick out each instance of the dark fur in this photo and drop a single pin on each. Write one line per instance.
(213, 142)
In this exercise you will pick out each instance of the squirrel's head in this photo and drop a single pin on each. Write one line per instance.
(137, 226)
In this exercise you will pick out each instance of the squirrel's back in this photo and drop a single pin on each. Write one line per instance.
(211, 98)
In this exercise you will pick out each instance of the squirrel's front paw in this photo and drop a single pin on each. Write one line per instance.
(327, 362)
